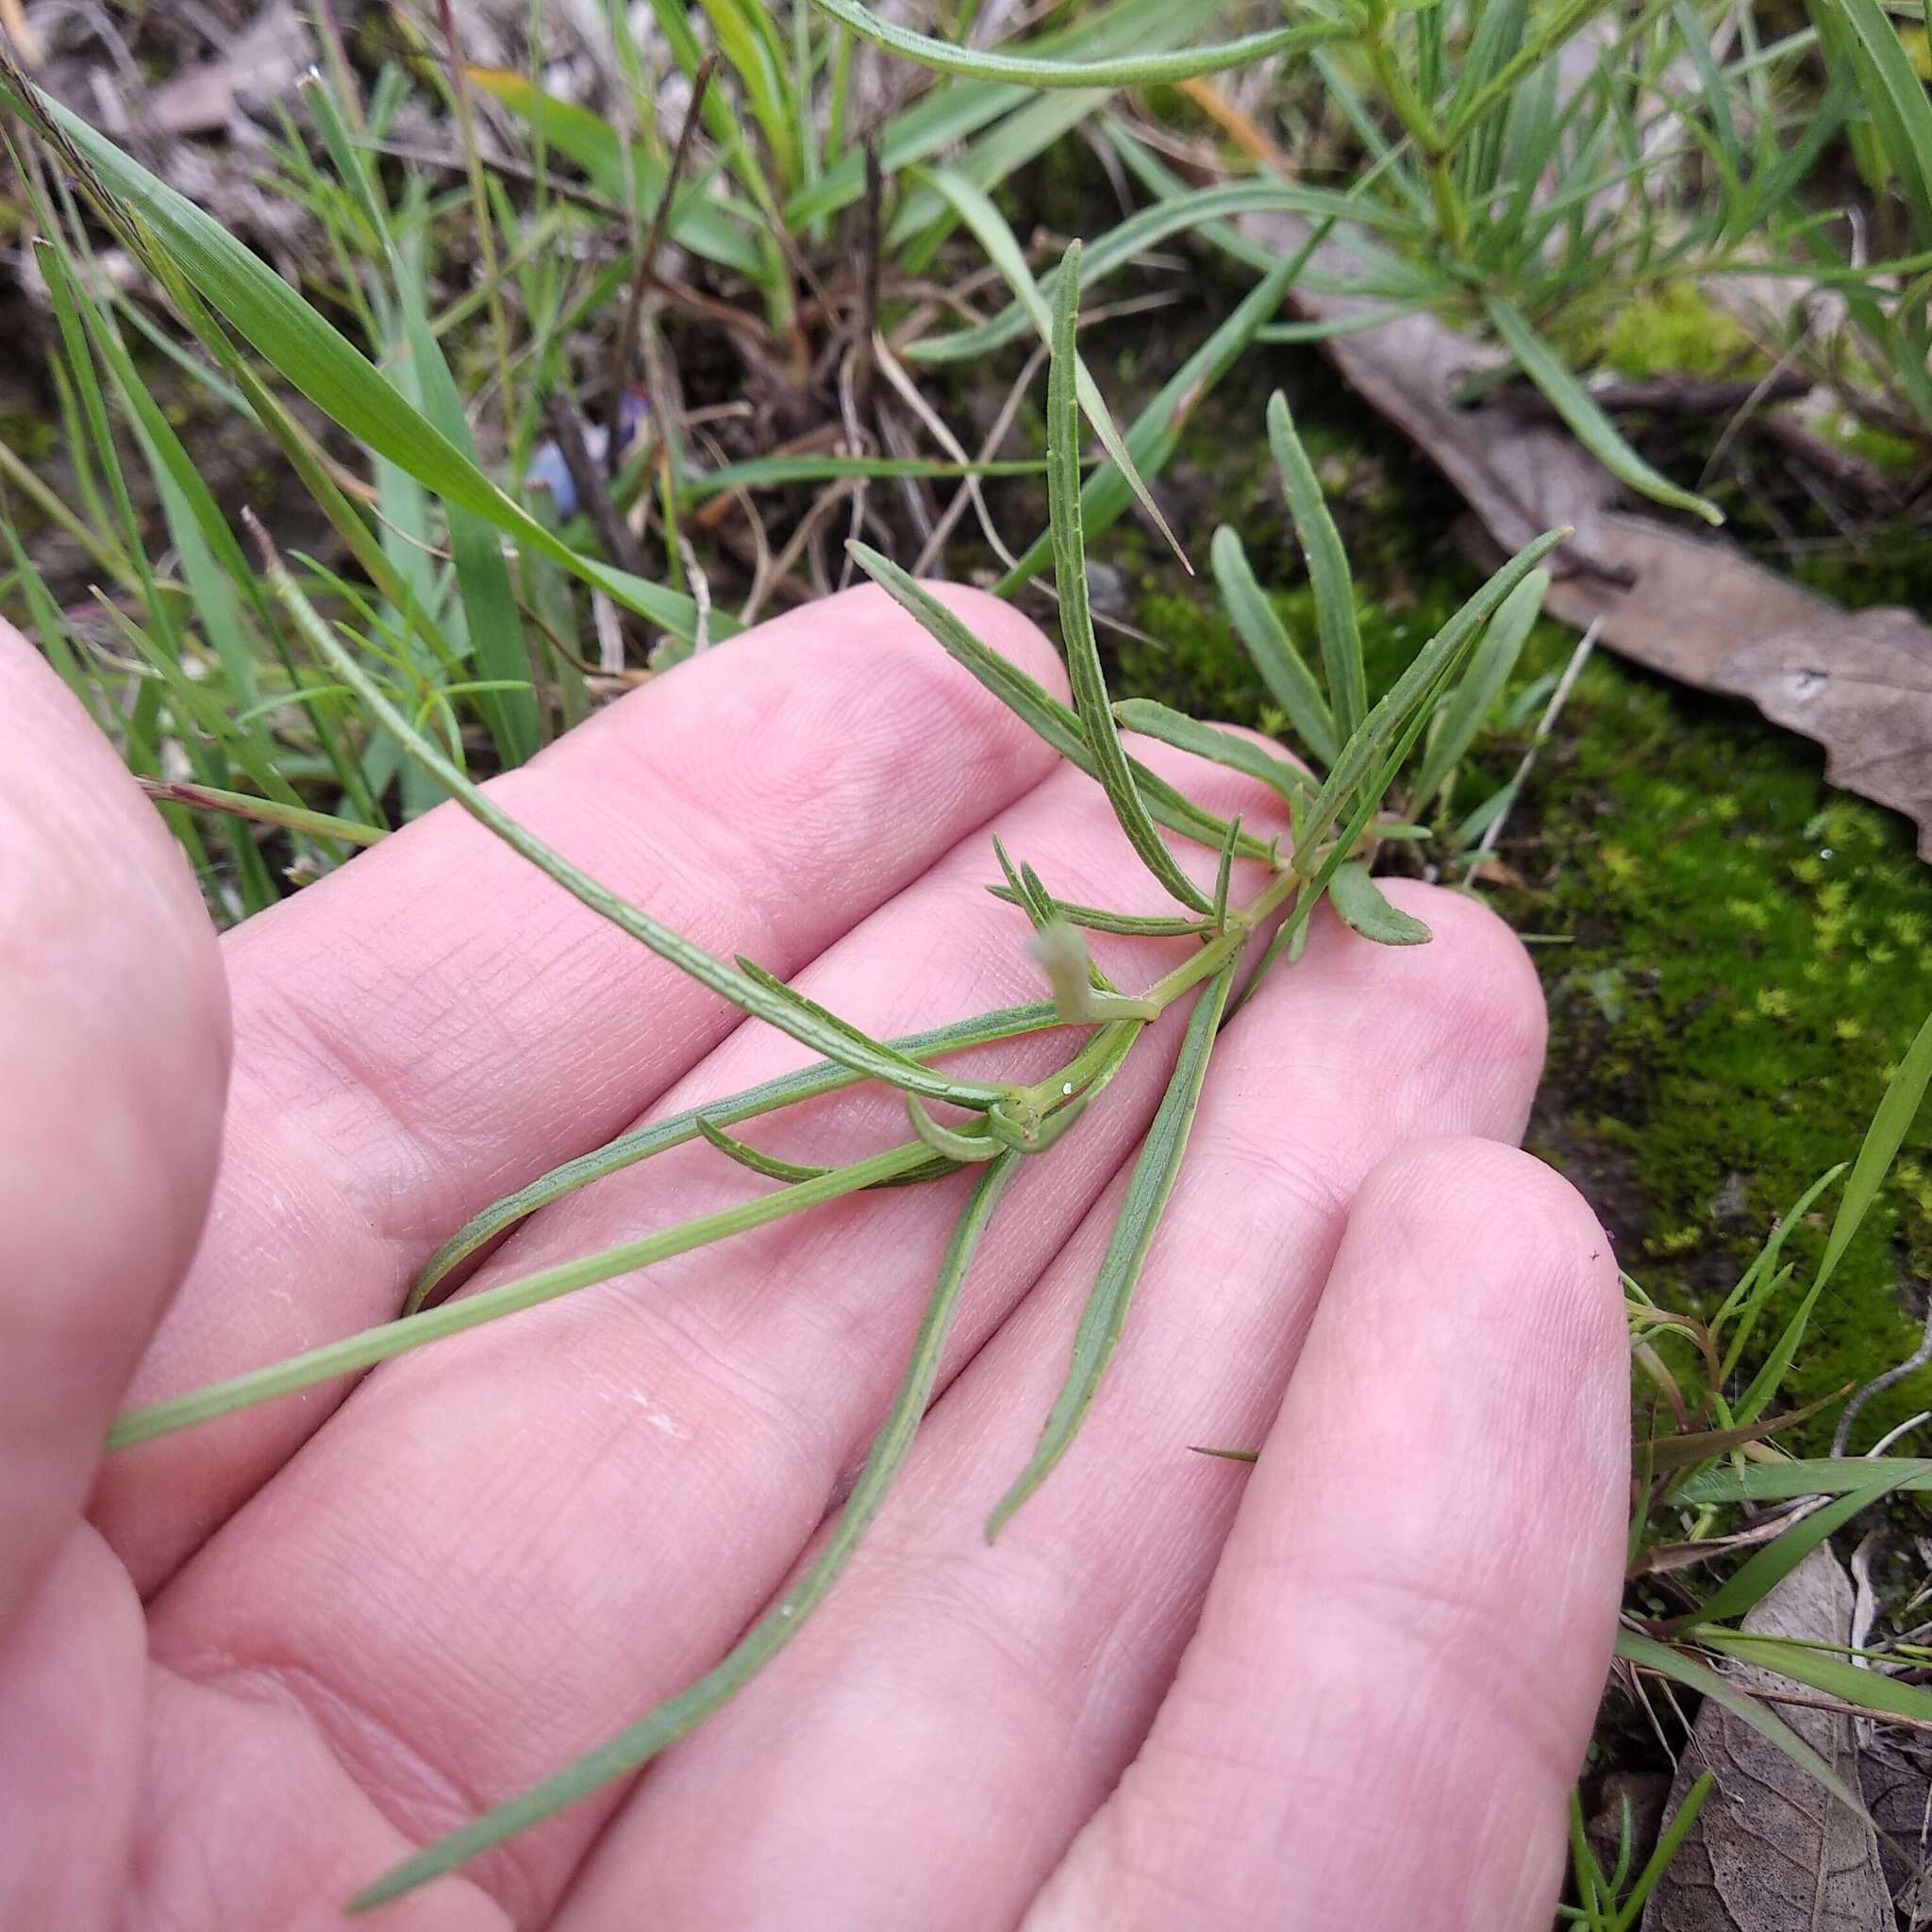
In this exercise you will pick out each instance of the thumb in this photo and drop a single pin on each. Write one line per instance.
(114, 1062)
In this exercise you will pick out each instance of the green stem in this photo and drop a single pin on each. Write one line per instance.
(378, 1344)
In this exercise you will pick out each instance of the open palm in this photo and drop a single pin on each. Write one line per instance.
(1346, 1689)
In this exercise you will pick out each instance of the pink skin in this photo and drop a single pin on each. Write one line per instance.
(1349, 1686)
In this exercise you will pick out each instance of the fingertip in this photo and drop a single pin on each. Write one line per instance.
(1551, 1263)
(1473, 985)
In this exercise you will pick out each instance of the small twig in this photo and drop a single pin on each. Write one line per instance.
(1545, 724)
(479, 201)
(1667, 396)
(13, 23)
(854, 445)
(1878, 1384)
(572, 191)
(593, 488)
(787, 559)
(624, 356)
(1842, 468)
(969, 490)
(1804, 1701)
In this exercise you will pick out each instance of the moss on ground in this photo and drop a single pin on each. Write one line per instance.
(1742, 952)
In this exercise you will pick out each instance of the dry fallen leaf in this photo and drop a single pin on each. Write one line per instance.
(1773, 1850)
(1895, 1776)
(1691, 607)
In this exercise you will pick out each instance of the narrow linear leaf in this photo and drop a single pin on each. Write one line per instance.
(1290, 681)
(1091, 703)
(1224, 879)
(958, 110)
(310, 354)
(1037, 707)
(1489, 671)
(1895, 89)
(264, 811)
(1896, 1111)
(483, 581)
(1146, 229)
(695, 222)
(950, 1142)
(745, 1155)
(1411, 693)
(1662, 1453)
(1152, 719)
(772, 472)
(786, 1090)
(1328, 571)
(1358, 899)
(1152, 436)
(1097, 919)
(1148, 1191)
(1025, 888)
(1142, 69)
(1586, 421)
(638, 1743)
(856, 1038)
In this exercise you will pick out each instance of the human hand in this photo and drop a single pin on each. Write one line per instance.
(1349, 1688)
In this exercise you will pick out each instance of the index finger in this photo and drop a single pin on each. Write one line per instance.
(437, 1023)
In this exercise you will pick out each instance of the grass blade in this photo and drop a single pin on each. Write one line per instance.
(1587, 422)
(1647, 1654)
(695, 222)
(313, 356)
(1270, 648)
(1784, 1482)
(1142, 69)
(1148, 1192)
(483, 582)
(1896, 96)
(1185, 213)
(641, 1742)
(958, 110)
(1895, 1114)
(262, 811)
(1836, 1676)
(1152, 719)
(1753, 1580)
(1088, 681)
(1328, 572)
